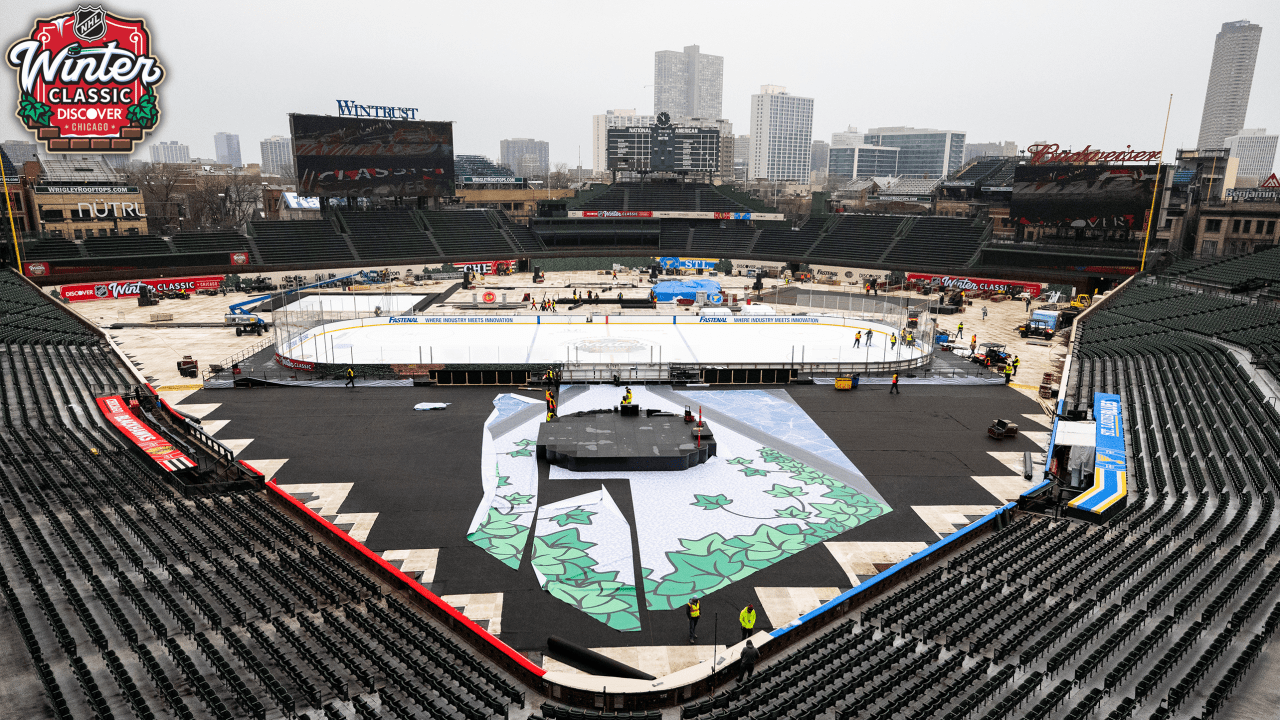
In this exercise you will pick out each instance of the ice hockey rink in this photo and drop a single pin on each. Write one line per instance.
(532, 339)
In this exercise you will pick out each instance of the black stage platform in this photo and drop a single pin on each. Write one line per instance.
(419, 471)
(635, 441)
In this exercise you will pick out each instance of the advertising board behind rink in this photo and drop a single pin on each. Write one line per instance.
(132, 288)
(363, 157)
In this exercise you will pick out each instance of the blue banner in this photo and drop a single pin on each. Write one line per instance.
(1109, 468)
(679, 263)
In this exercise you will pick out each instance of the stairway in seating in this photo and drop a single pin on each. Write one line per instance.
(496, 222)
(822, 233)
(421, 220)
(901, 232)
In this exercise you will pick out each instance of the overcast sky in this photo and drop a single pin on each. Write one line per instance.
(1075, 73)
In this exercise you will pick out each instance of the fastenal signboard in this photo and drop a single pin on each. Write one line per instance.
(87, 81)
(111, 290)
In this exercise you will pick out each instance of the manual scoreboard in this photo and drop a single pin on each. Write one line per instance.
(665, 147)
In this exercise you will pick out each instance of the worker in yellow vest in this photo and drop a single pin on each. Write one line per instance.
(747, 618)
(693, 609)
(626, 397)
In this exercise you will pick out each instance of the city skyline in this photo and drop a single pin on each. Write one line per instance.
(1226, 98)
(200, 98)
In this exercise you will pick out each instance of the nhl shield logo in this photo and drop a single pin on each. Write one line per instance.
(90, 23)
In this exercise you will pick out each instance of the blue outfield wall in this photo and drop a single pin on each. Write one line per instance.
(885, 575)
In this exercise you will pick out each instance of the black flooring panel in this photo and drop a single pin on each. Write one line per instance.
(420, 472)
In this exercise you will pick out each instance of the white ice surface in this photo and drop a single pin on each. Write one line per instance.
(390, 304)
(525, 341)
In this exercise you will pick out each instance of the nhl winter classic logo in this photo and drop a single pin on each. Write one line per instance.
(87, 81)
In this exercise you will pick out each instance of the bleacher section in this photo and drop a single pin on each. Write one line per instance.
(779, 239)
(217, 242)
(979, 168)
(463, 233)
(131, 601)
(728, 242)
(1232, 273)
(674, 236)
(300, 241)
(939, 242)
(51, 249)
(126, 245)
(387, 235)
(858, 238)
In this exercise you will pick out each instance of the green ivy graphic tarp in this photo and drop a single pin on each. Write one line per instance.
(582, 556)
(509, 475)
(761, 500)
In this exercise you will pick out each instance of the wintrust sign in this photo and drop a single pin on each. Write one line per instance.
(112, 290)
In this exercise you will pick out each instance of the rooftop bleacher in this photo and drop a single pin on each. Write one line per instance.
(77, 169)
(979, 168)
(911, 186)
(479, 166)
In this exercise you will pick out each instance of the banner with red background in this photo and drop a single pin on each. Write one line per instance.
(972, 284)
(108, 290)
(159, 449)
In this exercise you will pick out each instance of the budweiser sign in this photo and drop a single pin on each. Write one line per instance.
(1049, 154)
(87, 81)
(112, 290)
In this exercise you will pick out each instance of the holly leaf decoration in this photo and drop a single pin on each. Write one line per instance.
(576, 516)
(711, 502)
(784, 491)
(517, 499)
(34, 112)
(145, 113)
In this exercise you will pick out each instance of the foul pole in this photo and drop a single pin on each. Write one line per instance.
(1151, 213)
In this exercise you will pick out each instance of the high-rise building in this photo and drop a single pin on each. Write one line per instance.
(847, 138)
(1008, 148)
(922, 152)
(781, 135)
(226, 148)
(688, 84)
(527, 157)
(600, 125)
(171, 152)
(1256, 151)
(818, 156)
(858, 162)
(741, 157)
(1235, 51)
(277, 155)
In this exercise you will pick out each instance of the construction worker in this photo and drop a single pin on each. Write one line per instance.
(626, 397)
(911, 340)
(960, 329)
(351, 377)
(857, 339)
(747, 618)
(693, 609)
(984, 312)
(893, 341)
(1016, 363)
(1008, 373)
(893, 386)
(551, 405)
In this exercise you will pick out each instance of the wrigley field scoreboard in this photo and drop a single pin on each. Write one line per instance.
(664, 147)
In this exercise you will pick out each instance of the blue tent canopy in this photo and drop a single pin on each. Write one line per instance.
(672, 289)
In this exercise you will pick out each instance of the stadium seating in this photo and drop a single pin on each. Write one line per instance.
(300, 241)
(467, 235)
(215, 242)
(939, 242)
(132, 600)
(387, 235)
(51, 249)
(857, 238)
(126, 245)
(779, 239)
